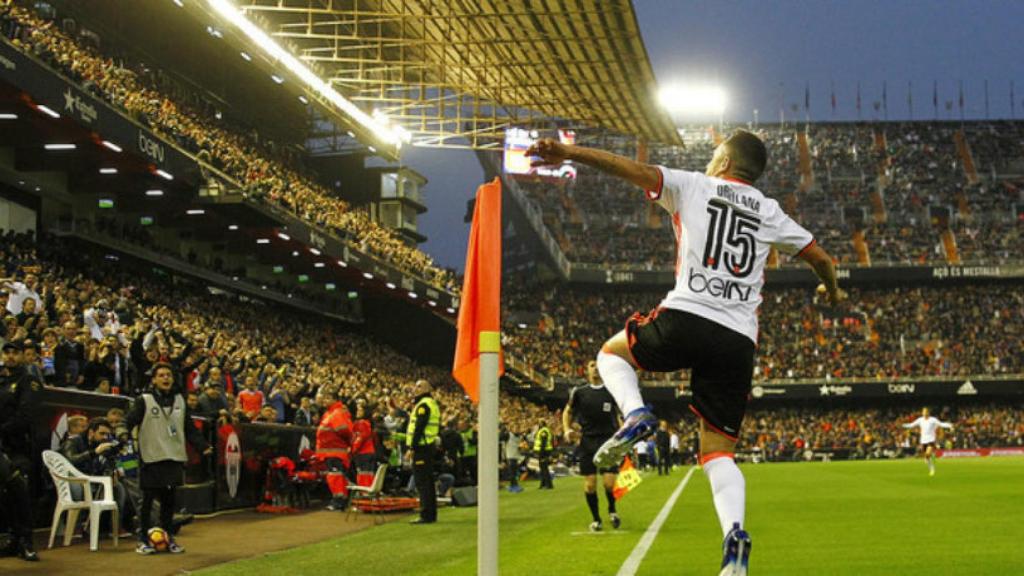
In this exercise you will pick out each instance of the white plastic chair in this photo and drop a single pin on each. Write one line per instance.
(64, 475)
(371, 492)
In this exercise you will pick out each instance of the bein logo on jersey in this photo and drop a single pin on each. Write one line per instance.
(728, 289)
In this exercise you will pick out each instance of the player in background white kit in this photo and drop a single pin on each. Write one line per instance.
(928, 425)
(724, 229)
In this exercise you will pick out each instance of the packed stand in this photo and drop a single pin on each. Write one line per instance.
(912, 167)
(804, 433)
(790, 433)
(99, 327)
(265, 178)
(896, 332)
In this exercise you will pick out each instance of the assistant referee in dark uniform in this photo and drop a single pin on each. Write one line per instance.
(595, 410)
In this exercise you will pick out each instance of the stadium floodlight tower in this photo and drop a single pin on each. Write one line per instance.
(694, 101)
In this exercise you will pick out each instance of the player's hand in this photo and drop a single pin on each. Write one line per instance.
(567, 436)
(208, 451)
(834, 296)
(549, 150)
(104, 447)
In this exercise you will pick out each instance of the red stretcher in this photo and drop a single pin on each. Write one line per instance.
(387, 504)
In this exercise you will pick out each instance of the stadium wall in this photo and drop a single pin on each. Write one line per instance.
(17, 216)
(410, 329)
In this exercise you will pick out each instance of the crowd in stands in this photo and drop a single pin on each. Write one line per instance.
(99, 327)
(779, 434)
(788, 433)
(915, 331)
(881, 179)
(265, 176)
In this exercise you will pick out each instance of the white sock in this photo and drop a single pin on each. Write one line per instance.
(621, 381)
(728, 488)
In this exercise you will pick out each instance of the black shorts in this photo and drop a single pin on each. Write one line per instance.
(586, 450)
(721, 359)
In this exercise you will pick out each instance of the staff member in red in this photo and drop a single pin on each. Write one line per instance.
(333, 447)
(364, 445)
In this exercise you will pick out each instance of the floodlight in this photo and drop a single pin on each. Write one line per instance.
(693, 99)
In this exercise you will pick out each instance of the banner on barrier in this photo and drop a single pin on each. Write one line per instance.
(981, 452)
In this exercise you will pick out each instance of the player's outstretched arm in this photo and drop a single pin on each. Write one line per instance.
(821, 262)
(552, 151)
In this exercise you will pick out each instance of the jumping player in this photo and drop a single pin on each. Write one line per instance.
(724, 229)
(928, 425)
(594, 408)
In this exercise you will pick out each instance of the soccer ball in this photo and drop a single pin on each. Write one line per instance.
(158, 539)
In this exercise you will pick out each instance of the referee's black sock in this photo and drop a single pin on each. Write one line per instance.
(592, 504)
(611, 500)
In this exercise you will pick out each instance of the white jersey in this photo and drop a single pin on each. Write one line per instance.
(724, 230)
(18, 294)
(928, 427)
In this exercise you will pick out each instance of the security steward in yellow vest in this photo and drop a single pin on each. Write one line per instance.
(421, 438)
(469, 445)
(542, 448)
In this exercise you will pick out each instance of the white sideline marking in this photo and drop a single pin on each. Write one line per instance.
(630, 566)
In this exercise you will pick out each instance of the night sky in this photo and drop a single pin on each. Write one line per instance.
(768, 55)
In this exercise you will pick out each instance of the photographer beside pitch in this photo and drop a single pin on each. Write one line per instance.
(95, 453)
(724, 228)
(164, 423)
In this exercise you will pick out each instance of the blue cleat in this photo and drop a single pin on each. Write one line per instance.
(639, 424)
(735, 552)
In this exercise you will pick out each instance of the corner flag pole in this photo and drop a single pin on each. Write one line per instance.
(487, 463)
(478, 363)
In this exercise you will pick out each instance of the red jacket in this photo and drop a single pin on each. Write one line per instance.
(250, 401)
(362, 438)
(334, 434)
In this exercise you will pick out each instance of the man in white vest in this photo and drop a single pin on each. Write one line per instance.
(164, 422)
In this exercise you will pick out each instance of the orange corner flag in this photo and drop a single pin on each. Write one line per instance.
(481, 289)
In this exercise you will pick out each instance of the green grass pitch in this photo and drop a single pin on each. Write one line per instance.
(841, 518)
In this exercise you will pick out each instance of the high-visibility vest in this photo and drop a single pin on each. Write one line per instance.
(542, 440)
(433, 423)
(468, 443)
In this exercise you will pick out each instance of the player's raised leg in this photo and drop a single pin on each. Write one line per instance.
(615, 364)
(618, 372)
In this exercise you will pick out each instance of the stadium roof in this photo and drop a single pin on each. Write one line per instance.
(456, 73)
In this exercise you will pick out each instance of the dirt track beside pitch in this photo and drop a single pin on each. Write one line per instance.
(207, 542)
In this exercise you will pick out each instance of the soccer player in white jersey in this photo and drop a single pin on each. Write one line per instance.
(928, 425)
(724, 229)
